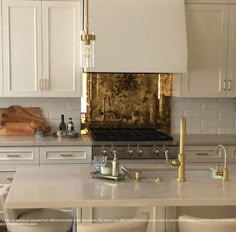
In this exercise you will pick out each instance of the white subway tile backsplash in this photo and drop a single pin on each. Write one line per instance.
(203, 115)
(210, 131)
(217, 116)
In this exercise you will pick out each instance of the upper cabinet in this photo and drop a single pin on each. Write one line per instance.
(1, 70)
(231, 68)
(211, 36)
(61, 48)
(139, 36)
(22, 46)
(41, 48)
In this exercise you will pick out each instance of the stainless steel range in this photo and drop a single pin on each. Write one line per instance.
(133, 143)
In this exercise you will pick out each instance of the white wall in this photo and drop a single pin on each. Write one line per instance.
(52, 108)
(204, 115)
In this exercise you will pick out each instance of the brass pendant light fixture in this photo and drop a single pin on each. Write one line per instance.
(87, 41)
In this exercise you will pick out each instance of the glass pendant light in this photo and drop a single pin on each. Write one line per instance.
(87, 41)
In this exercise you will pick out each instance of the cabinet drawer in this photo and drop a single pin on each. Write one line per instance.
(77, 154)
(202, 154)
(19, 155)
(6, 177)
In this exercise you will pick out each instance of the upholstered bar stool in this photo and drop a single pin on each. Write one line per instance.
(193, 224)
(34, 220)
(139, 225)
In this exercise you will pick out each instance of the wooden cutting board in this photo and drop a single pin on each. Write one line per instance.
(16, 120)
(18, 128)
(20, 114)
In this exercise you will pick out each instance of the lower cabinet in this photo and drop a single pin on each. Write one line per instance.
(65, 155)
(207, 154)
(203, 154)
(15, 157)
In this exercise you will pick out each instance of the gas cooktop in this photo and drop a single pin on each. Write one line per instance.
(128, 134)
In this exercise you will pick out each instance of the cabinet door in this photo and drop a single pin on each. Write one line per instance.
(1, 74)
(232, 153)
(61, 48)
(22, 58)
(65, 155)
(207, 34)
(202, 154)
(19, 155)
(231, 71)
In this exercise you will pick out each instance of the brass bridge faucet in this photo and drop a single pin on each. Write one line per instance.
(180, 162)
(225, 172)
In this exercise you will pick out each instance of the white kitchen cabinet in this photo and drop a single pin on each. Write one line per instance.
(202, 154)
(231, 152)
(41, 48)
(231, 71)
(61, 48)
(207, 36)
(1, 69)
(211, 35)
(19, 155)
(22, 48)
(65, 155)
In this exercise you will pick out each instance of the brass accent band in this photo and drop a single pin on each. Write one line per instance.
(88, 37)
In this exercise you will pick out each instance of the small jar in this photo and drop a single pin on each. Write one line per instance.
(106, 168)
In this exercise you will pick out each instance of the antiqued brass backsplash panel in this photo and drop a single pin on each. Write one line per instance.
(129, 100)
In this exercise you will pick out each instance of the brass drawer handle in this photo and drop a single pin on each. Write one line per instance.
(66, 155)
(13, 155)
(10, 178)
(229, 86)
(202, 154)
(224, 87)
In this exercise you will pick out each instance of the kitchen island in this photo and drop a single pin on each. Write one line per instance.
(72, 187)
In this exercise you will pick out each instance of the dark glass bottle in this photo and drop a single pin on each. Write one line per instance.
(70, 125)
(62, 126)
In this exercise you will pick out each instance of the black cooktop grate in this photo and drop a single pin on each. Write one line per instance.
(128, 134)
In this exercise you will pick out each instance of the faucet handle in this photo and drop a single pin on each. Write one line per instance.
(166, 154)
(217, 167)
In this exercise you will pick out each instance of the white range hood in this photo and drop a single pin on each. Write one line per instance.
(139, 36)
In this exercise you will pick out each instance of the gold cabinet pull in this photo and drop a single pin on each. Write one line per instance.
(10, 178)
(202, 154)
(66, 155)
(13, 155)
(224, 87)
(229, 84)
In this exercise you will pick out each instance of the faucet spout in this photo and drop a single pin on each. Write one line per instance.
(225, 172)
(180, 162)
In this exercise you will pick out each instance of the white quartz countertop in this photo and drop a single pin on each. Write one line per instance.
(43, 141)
(66, 187)
(208, 139)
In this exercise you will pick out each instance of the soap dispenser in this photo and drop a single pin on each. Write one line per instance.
(115, 164)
